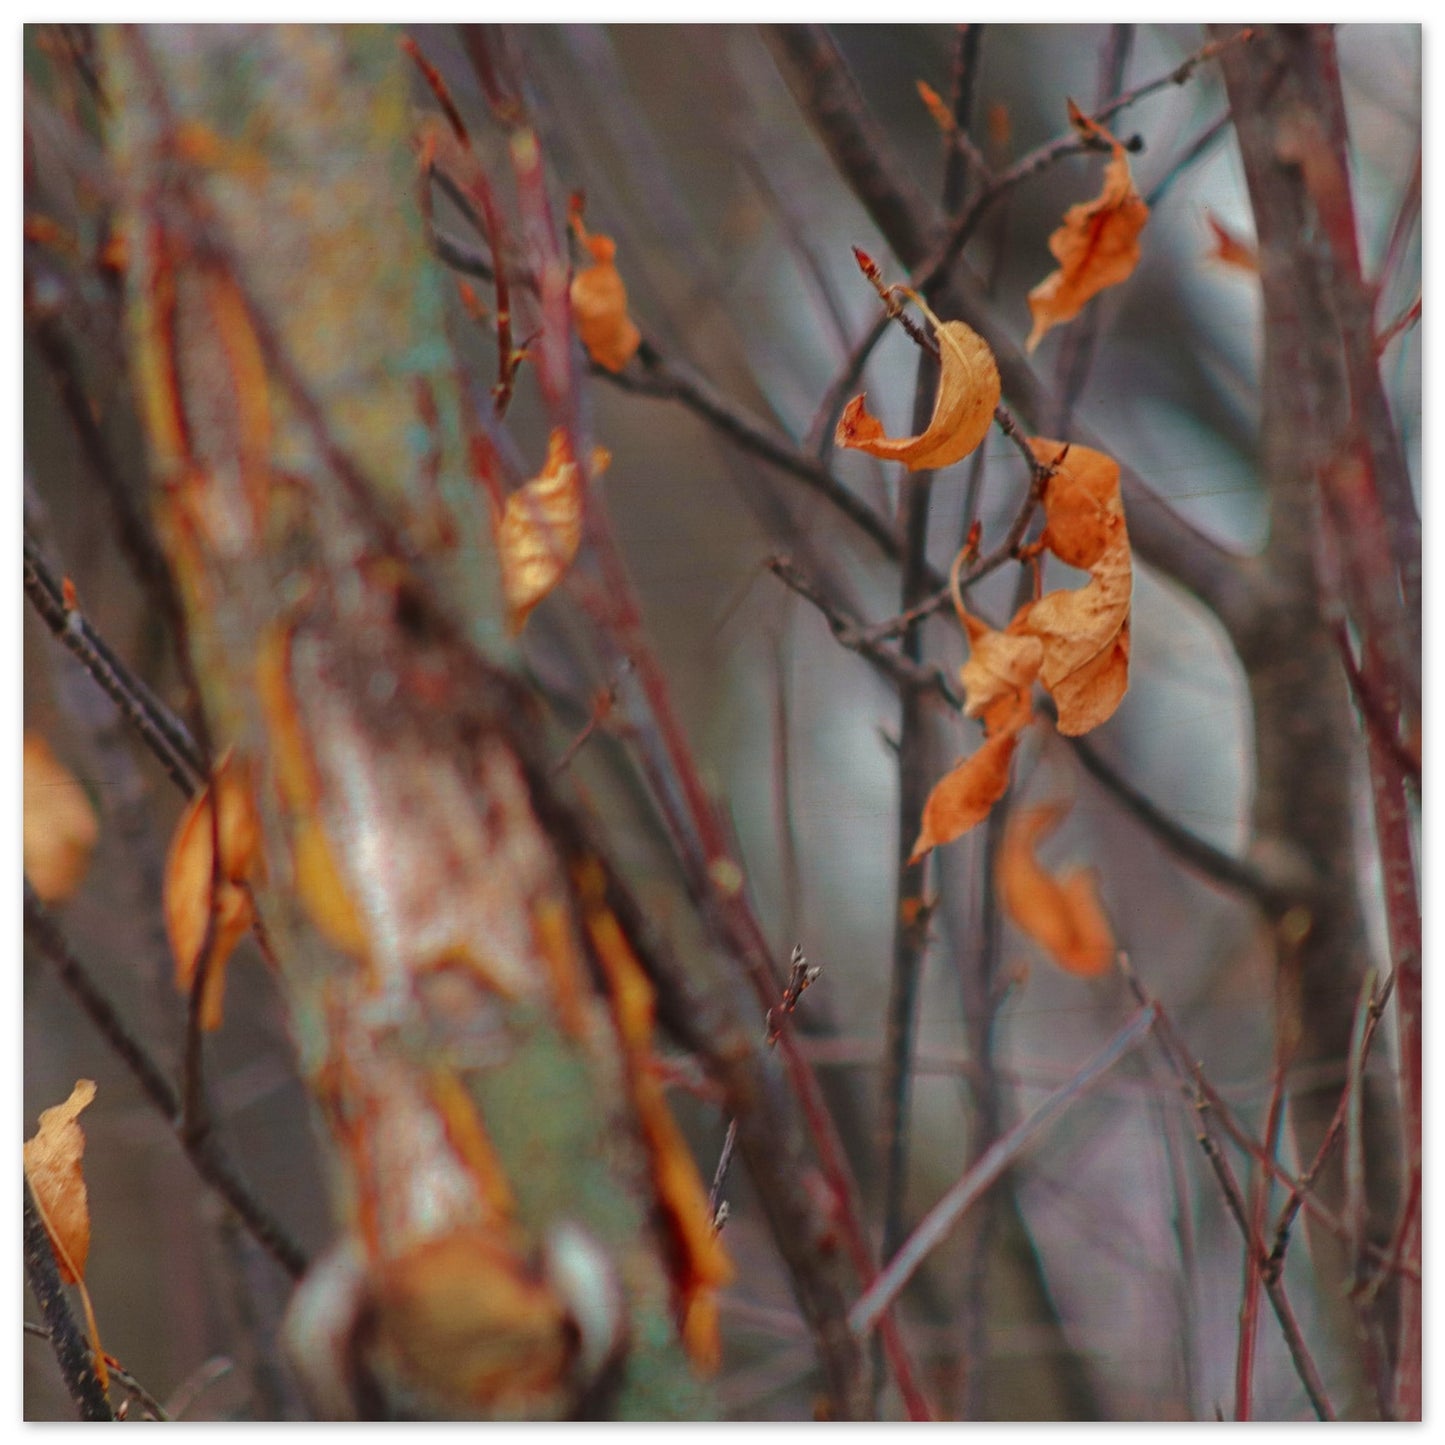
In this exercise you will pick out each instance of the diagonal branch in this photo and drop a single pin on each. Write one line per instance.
(936, 1224)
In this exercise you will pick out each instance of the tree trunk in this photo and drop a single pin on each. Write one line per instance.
(522, 1230)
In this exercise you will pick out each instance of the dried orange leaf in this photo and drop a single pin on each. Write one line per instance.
(1082, 507)
(60, 829)
(599, 304)
(191, 892)
(968, 392)
(962, 799)
(52, 1165)
(1229, 250)
(998, 675)
(942, 116)
(539, 531)
(1062, 915)
(1084, 631)
(1096, 247)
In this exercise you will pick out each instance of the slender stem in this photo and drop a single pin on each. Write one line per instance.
(940, 1220)
(164, 733)
(72, 1351)
(1190, 1081)
(910, 923)
(903, 671)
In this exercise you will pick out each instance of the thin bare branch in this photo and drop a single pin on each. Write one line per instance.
(206, 1154)
(944, 1215)
(164, 733)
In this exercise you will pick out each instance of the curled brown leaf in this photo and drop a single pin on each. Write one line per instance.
(1062, 914)
(1097, 245)
(968, 392)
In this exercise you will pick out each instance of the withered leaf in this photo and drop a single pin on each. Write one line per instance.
(963, 798)
(1062, 915)
(1000, 671)
(942, 116)
(191, 890)
(540, 529)
(1084, 631)
(52, 1165)
(599, 303)
(968, 391)
(1096, 247)
(59, 829)
(1229, 250)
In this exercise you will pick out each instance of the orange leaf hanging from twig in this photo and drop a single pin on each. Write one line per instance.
(1084, 631)
(1229, 250)
(1098, 244)
(1062, 915)
(962, 799)
(540, 528)
(968, 391)
(57, 1185)
(599, 302)
(52, 1164)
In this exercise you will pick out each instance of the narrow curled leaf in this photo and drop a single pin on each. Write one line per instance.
(540, 529)
(60, 829)
(194, 888)
(968, 391)
(942, 116)
(962, 799)
(52, 1165)
(599, 303)
(1084, 631)
(1062, 914)
(1096, 247)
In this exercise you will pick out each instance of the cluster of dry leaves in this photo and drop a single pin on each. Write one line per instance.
(1072, 641)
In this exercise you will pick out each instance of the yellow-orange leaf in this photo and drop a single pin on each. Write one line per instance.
(59, 824)
(968, 392)
(942, 116)
(192, 893)
(52, 1165)
(1229, 250)
(999, 674)
(1084, 631)
(1096, 247)
(1082, 507)
(539, 531)
(599, 304)
(1062, 915)
(962, 799)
